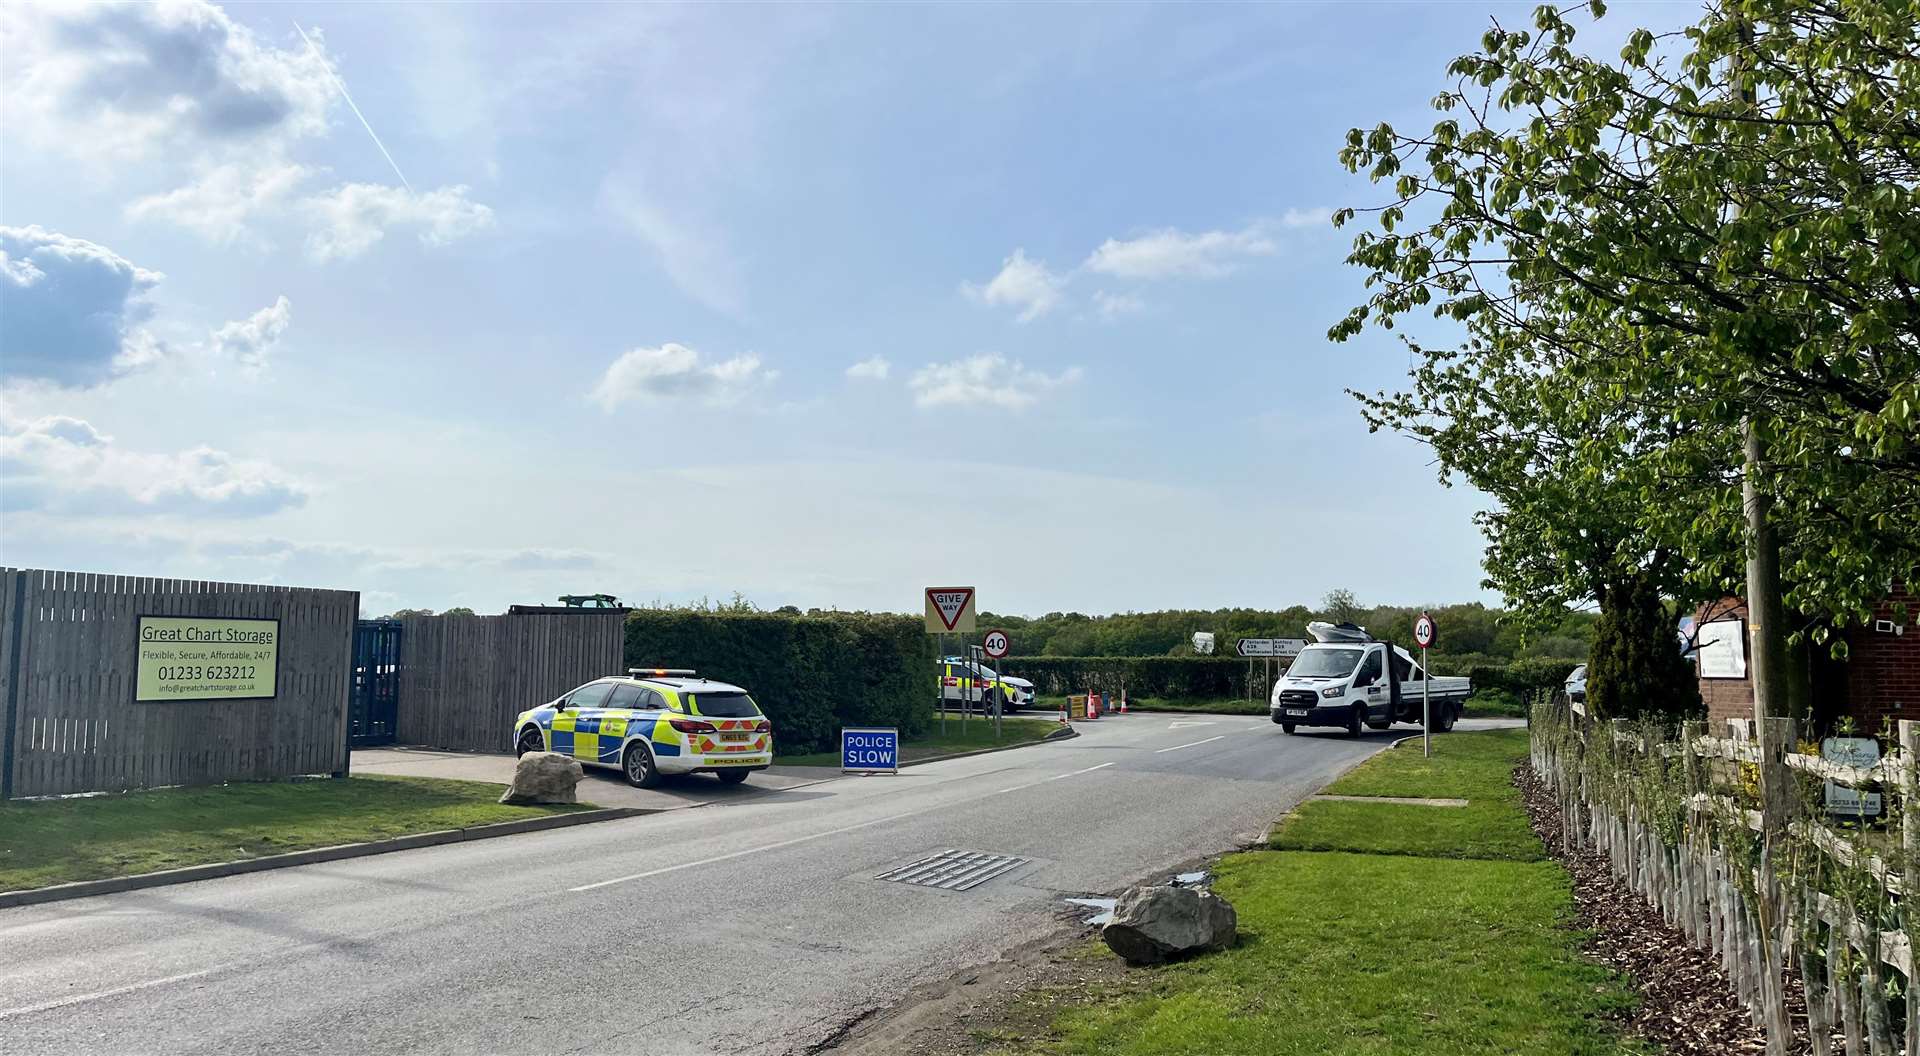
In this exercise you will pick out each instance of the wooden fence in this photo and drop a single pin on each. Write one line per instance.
(1726, 837)
(68, 655)
(464, 678)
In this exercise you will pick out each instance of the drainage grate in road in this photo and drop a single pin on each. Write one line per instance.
(954, 870)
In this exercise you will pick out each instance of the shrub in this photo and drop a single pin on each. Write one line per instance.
(1176, 677)
(811, 674)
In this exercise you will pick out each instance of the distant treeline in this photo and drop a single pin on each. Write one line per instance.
(1464, 629)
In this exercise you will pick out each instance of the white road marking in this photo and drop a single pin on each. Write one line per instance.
(115, 992)
(1075, 773)
(743, 854)
(1178, 724)
(1177, 747)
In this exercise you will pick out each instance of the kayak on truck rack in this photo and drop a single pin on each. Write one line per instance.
(1348, 679)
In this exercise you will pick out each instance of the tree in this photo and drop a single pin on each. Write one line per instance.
(1340, 606)
(401, 614)
(458, 610)
(1588, 209)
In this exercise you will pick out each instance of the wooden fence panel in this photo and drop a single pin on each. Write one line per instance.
(464, 678)
(68, 660)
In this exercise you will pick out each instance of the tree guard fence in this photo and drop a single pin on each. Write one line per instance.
(1735, 848)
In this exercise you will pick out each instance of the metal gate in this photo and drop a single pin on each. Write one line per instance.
(374, 708)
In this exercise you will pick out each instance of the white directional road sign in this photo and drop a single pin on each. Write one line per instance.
(996, 644)
(1424, 632)
(1282, 647)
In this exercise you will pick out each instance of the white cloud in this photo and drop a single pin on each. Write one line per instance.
(989, 379)
(127, 80)
(1022, 283)
(64, 465)
(224, 201)
(674, 370)
(1170, 252)
(251, 340)
(1115, 305)
(70, 309)
(354, 216)
(1320, 216)
(873, 369)
(692, 250)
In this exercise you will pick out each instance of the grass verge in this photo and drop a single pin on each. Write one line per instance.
(1401, 931)
(1211, 706)
(62, 841)
(972, 735)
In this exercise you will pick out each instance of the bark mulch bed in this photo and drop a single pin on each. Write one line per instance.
(1687, 1004)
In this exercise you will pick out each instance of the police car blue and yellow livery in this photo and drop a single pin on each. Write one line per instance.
(653, 723)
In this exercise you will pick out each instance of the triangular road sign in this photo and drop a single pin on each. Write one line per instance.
(952, 607)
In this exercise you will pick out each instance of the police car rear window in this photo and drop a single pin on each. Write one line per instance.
(725, 705)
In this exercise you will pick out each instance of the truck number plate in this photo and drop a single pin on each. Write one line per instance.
(1298, 712)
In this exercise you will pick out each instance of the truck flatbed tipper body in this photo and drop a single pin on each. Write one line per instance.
(1348, 680)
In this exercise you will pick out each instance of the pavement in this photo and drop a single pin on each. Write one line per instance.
(600, 786)
(753, 926)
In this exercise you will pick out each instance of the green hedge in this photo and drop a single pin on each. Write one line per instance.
(1180, 677)
(1519, 677)
(810, 674)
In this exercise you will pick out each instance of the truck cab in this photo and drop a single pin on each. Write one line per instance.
(1348, 680)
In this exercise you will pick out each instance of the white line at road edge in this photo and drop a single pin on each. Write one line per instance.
(742, 854)
(115, 992)
(1177, 747)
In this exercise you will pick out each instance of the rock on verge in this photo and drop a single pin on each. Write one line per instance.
(1154, 924)
(544, 777)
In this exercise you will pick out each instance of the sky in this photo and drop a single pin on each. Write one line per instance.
(472, 305)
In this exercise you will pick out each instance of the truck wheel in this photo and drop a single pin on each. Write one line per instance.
(1288, 727)
(1355, 721)
(639, 768)
(1372, 725)
(1447, 718)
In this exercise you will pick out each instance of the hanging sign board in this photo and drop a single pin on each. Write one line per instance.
(206, 658)
(950, 610)
(1723, 649)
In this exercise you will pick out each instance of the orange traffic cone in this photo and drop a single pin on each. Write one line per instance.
(1123, 702)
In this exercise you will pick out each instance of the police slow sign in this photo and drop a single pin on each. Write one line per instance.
(869, 750)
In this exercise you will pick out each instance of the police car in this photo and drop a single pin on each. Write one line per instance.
(652, 723)
(976, 685)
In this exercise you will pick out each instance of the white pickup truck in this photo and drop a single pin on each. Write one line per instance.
(1349, 680)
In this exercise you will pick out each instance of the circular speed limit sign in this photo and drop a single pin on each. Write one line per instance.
(1424, 632)
(996, 644)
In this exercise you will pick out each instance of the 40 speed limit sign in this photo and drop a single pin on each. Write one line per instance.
(1424, 632)
(996, 644)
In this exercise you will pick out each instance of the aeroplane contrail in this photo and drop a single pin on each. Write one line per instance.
(325, 65)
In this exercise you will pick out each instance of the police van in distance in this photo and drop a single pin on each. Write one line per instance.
(651, 723)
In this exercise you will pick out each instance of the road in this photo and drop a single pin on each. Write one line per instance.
(753, 927)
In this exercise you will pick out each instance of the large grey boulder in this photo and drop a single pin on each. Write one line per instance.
(544, 777)
(1154, 924)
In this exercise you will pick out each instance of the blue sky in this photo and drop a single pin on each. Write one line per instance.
(817, 304)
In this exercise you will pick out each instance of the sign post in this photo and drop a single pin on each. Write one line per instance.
(1424, 634)
(949, 610)
(997, 645)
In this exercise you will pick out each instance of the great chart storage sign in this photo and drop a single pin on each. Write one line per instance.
(207, 658)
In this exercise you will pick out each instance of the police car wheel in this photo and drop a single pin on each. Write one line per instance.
(1288, 727)
(638, 767)
(530, 741)
(731, 777)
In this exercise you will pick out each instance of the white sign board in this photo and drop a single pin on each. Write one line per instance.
(1203, 642)
(1851, 751)
(1723, 649)
(950, 610)
(1282, 647)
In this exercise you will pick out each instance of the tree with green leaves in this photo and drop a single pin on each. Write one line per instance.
(1718, 227)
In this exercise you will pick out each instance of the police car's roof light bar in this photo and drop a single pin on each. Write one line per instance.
(660, 672)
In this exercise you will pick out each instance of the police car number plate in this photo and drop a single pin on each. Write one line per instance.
(1297, 711)
(737, 738)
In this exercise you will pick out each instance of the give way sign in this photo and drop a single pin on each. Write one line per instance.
(950, 610)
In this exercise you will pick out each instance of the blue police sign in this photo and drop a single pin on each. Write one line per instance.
(869, 750)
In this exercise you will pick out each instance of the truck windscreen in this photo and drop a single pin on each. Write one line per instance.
(1324, 663)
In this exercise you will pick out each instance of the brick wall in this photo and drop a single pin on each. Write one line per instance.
(1726, 698)
(1883, 669)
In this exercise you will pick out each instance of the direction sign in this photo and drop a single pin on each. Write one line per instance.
(996, 644)
(1281, 647)
(950, 610)
(1424, 631)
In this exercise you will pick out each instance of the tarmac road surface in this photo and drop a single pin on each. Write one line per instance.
(755, 926)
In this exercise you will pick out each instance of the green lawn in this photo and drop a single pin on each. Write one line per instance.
(974, 734)
(1422, 942)
(60, 841)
